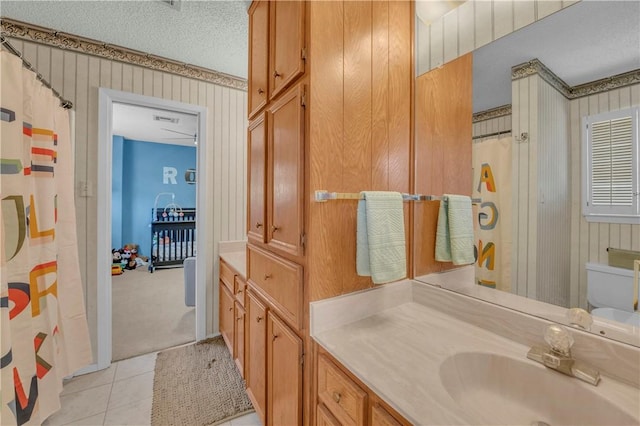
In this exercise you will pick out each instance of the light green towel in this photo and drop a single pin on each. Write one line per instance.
(380, 242)
(454, 234)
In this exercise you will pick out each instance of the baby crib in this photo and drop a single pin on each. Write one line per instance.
(173, 236)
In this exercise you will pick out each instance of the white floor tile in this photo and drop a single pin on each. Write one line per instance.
(88, 381)
(79, 405)
(130, 390)
(135, 366)
(96, 420)
(251, 419)
(135, 413)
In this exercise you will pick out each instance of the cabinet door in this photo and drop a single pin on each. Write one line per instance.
(238, 337)
(284, 374)
(258, 55)
(286, 55)
(226, 316)
(257, 139)
(256, 347)
(325, 418)
(381, 417)
(286, 172)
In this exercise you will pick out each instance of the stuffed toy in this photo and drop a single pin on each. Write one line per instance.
(131, 264)
(116, 256)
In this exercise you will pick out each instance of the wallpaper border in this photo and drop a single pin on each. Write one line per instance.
(25, 31)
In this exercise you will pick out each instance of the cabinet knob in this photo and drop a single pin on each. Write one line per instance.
(258, 318)
(336, 397)
(276, 74)
(258, 225)
(274, 228)
(267, 276)
(260, 91)
(231, 308)
(275, 336)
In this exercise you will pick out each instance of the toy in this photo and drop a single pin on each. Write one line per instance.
(116, 270)
(131, 263)
(116, 256)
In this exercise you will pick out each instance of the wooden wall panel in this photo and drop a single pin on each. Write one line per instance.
(359, 136)
(442, 150)
(78, 77)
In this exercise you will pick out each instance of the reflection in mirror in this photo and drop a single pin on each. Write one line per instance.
(531, 90)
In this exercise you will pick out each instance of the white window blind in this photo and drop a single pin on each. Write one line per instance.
(611, 164)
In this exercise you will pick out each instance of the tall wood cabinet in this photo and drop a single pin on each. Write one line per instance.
(334, 114)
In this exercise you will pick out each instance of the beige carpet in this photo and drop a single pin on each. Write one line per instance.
(197, 385)
(149, 313)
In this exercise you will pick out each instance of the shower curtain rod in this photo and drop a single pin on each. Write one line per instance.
(63, 102)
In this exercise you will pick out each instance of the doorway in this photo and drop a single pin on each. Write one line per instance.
(109, 102)
(153, 229)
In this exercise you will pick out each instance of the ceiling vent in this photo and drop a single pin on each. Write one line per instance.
(174, 4)
(164, 119)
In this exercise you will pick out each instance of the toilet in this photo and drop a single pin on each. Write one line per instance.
(611, 292)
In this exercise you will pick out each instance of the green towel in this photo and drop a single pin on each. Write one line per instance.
(380, 242)
(454, 234)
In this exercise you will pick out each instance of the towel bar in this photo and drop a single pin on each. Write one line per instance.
(321, 196)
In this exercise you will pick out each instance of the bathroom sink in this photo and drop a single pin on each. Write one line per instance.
(495, 389)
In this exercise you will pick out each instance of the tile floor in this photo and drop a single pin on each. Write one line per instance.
(119, 395)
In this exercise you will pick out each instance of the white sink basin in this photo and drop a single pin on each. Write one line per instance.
(495, 389)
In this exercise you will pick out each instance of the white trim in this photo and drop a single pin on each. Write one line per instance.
(105, 135)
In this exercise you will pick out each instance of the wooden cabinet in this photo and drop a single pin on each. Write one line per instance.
(257, 144)
(238, 338)
(284, 373)
(287, 44)
(344, 400)
(278, 281)
(325, 418)
(256, 348)
(232, 291)
(226, 316)
(258, 56)
(379, 416)
(285, 187)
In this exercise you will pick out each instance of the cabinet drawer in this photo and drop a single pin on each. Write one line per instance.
(227, 275)
(345, 399)
(240, 287)
(279, 281)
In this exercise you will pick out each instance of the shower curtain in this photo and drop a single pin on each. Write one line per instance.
(492, 184)
(43, 324)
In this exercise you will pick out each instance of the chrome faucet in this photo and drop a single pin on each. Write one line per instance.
(558, 356)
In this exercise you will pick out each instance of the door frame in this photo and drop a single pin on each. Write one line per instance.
(107, 97)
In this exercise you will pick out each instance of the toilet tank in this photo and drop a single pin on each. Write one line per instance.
(610, 287)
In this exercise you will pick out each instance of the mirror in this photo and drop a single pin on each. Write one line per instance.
(532, 124)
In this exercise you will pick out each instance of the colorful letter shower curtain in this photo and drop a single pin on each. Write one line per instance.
(492, 183)
(44, 328)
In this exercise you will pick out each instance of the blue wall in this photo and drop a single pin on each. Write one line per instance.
(143, 177)
(116, 193)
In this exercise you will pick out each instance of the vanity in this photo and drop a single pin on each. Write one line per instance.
(437, 357)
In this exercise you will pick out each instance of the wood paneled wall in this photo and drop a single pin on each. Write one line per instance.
(442, 150)
(589, 241)
(359, 127)
(474, 24)
(77, 77)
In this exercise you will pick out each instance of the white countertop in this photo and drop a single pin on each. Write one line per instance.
(394, 340)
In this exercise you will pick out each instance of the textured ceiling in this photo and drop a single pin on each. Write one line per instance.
(585, 42)
(210, 34)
